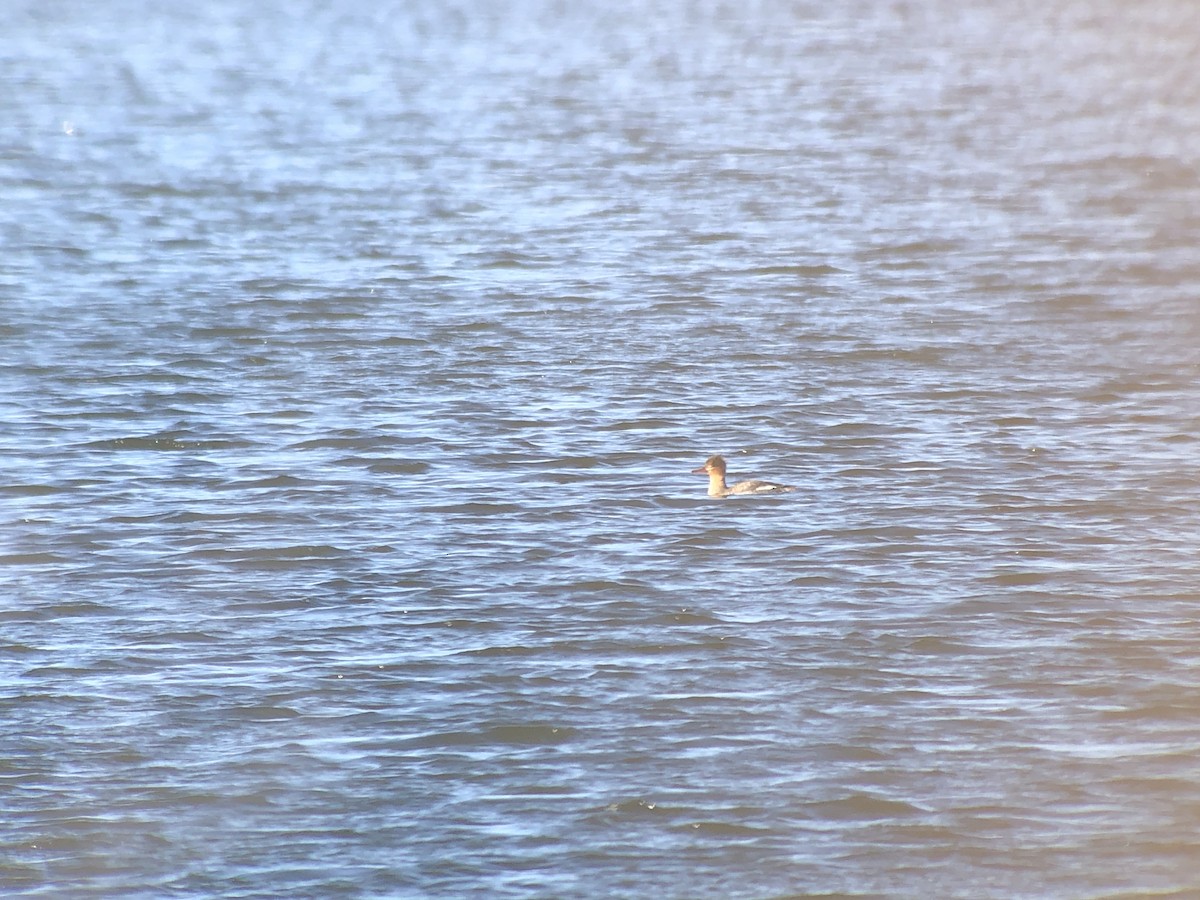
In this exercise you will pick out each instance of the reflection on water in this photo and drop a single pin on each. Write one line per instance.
(354, 364)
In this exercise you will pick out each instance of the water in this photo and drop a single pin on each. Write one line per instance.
(354, 360)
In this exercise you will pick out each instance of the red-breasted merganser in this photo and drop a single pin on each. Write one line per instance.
(714, 468)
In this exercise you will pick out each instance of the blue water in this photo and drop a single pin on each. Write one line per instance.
(353, 363)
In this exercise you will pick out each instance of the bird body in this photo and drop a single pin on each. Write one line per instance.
(714, 467)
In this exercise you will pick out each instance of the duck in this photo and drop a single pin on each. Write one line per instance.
(714, 468)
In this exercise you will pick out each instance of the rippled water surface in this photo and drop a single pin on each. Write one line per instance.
(353, 361)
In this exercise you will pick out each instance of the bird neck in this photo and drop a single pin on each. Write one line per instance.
(716, 484)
